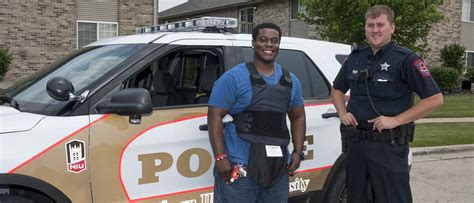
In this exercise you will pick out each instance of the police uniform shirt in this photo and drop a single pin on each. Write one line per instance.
(390, 77)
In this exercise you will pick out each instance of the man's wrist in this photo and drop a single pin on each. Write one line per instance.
(341, 113)
(220, 156)
(299, 153)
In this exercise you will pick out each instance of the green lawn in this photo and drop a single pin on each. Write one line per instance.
(440, 134)
(455, 105)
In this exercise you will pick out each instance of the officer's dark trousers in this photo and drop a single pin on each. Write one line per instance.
(384, 165)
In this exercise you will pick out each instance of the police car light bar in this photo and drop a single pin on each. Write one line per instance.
(191, 25)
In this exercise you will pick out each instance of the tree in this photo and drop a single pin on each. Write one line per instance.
(343, 21)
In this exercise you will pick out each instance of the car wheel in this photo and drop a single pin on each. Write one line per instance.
(337, 190)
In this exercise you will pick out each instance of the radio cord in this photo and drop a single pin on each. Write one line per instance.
(370, 99)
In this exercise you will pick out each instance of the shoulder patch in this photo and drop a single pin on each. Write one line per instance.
(421, 67)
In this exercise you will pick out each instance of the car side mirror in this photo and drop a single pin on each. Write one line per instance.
(132, 102)
(59, 88)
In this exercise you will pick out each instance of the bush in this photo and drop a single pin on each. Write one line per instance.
(470, 74)
(447, 78)
(5, 60)
(453, 56)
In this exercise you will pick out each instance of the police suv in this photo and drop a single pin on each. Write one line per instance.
(124, 119)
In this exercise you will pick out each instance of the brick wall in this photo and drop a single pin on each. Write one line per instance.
(275, 11)
(36, 33)
(228, 12)
(133, 14)
(445, 32)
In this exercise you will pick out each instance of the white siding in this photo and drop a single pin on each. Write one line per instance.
(98, 10)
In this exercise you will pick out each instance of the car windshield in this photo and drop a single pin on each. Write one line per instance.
(81, 69)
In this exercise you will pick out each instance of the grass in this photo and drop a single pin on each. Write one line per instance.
(440, 134)
(455, 105)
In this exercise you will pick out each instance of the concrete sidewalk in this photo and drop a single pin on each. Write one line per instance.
(445, 120)
(442, 149)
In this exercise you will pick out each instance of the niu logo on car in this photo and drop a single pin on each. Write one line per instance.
(75, 152)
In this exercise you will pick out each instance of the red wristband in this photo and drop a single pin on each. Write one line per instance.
(220, 156)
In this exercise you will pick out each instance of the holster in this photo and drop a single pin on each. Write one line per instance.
(347, 132)
(407, 133)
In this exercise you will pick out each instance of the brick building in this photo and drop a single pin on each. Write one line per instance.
(38, 33)
(283, 12)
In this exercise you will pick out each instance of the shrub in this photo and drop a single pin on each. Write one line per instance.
(453, 56)
(447, 78)
(470, 74)
(5, 60)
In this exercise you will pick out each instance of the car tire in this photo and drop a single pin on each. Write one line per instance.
(14, 199)
(337, 190)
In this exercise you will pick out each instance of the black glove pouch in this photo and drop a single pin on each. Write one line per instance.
(266, 171)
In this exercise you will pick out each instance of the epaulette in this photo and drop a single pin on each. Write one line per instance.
(403, 50)
(356, 49)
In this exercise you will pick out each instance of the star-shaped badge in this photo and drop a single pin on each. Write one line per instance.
(384, 66)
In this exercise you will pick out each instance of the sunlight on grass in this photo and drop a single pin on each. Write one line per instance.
(455, 105)
(440, 134)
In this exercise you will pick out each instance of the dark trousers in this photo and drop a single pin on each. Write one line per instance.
(384, 164)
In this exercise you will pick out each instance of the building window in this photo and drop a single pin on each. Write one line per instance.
(468, 10)
(246, 20)
(88, 32)
(296, 8)
(470, 59)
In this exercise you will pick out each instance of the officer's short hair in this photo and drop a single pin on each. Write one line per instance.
(377, 10)
(263, 26)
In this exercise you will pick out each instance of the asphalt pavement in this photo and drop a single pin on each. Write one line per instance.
(443, 174)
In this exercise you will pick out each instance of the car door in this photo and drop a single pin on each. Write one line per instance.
(166, 157)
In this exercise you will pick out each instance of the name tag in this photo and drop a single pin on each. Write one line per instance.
(273, 151)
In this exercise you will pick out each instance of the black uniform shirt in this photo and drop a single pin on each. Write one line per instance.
(390, 77)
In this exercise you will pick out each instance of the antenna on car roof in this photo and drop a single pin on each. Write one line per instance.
(204, 24)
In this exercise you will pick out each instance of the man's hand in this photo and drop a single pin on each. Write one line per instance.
(225, 168)
(295, 163)
(384, 122)
(348, 119)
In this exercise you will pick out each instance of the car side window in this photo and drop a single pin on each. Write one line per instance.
(181, 77)
(313, 83)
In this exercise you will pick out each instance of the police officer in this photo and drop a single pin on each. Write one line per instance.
(378, 122)
(252, 162)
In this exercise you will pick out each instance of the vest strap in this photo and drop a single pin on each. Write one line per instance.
(255, 78)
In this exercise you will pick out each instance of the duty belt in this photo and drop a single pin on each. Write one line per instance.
(401, 135)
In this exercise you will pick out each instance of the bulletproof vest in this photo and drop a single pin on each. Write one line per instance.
(264, 120)
(263, 124)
